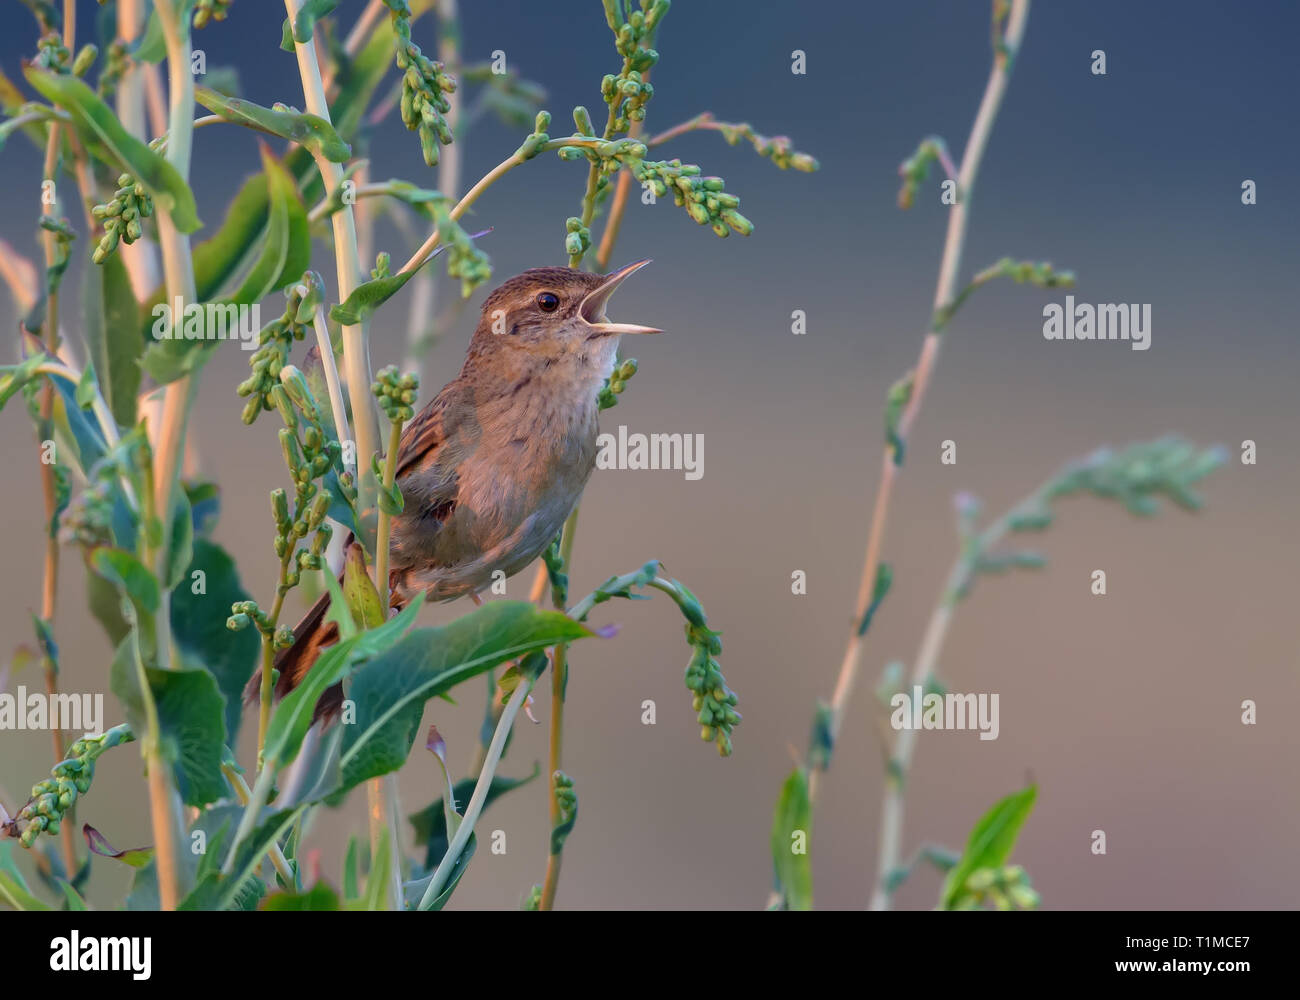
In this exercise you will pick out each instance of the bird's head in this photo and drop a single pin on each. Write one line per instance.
(552, 313)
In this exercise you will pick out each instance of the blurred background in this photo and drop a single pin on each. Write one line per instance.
(1126, 709)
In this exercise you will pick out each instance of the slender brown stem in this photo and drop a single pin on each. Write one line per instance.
(946, 291)
(559, 683)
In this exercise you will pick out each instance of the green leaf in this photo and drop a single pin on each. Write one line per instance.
(431, 823)
(350, 883)
(191, 720)
(73, 898)
(305, 21)
(13, 887)
(199, 626)
(129, 575)
(285, 254)
(114, 335)
(391, 690)
(93, 117)
(151, 47)
(287, 250)
(14, 377)
(793, 815)
(217, 259)
(242, 889)
(136, 857)
(318, 897)
(376, 897)
(79, 429)
(359, 590)
(369, 296)
(990, 842)
(293, 716)
(309, 131)
(180, 542)
(413, 892)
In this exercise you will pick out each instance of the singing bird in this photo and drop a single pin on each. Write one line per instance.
(490, 469)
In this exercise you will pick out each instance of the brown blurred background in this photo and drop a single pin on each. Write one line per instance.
(1124, 708)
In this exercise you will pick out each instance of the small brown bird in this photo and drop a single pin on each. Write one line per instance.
(491, 468)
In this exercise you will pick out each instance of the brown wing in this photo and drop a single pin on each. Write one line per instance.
(423, 436)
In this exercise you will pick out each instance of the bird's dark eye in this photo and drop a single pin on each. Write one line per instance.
(548, 302)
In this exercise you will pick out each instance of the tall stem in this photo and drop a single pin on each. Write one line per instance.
(559, 685)
(479, 797)
(356, 349)
(946, 290)
(50, 586)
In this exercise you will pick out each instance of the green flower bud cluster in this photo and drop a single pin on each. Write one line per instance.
(512, 99)
(714, 701)
(309, 455)
(396, 394)
(274, 343)
(577, 237)
(1040, 273)
(558, 578)
(537, 138)
(425, 85)
(703, 197)
(616, 383)
(88, 521)
(52, 798)
(566, 801)
(63, 237)
(116, 63)
(121, 216)
(779, 149)
(533, 901)
(1140, 474)
(1004, 888)
(210, 10)
(916, 169)
(85, 59)
(464, 259)
(51, 53)
(606, 155)
(627, 93)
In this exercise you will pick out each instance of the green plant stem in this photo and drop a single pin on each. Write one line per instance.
(890, 848)
(479, 797)
(50, 586)
(162, 799)
(332, 380)
(356, 350)
(178, 273)
(485, 182)
(267, 689)
(244, 795)
(559, 684)
(945, 292)
(385, 519)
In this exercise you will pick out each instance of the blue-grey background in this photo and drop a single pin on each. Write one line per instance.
(1124, 708)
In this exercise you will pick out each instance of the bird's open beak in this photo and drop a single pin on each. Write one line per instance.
(593, 306)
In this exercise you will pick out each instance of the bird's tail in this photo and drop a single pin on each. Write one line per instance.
(310, 637)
